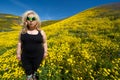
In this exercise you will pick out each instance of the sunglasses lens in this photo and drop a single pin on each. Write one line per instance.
(31, 19)
(28, 18)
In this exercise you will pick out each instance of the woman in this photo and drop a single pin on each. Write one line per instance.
(32, 45)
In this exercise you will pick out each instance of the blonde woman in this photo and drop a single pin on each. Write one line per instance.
(32, 45)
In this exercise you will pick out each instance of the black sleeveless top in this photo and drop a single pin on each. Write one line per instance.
(32, 45)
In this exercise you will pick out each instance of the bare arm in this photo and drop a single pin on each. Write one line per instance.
(19, 49)
(44, 43)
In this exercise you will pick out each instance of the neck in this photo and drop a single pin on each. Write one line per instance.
(30, 29)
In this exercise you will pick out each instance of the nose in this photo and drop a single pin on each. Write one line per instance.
(30, 20)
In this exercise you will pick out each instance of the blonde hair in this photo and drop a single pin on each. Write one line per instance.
(24, 24)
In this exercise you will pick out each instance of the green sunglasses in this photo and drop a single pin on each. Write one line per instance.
(31, 18)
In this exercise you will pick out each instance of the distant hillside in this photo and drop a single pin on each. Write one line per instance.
(48, 22)
(110, 10)
(8, 20)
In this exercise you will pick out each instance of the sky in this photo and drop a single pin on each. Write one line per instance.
(50, 9)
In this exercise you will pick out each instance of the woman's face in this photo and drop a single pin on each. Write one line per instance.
(31, 21)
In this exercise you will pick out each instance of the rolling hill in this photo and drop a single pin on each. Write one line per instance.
(49, 22)
(9, 20)
(85, 46)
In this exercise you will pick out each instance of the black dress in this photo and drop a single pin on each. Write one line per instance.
(32, 52)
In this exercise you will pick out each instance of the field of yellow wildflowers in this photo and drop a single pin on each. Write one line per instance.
(85, 46)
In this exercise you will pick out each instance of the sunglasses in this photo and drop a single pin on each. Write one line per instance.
(31, 18)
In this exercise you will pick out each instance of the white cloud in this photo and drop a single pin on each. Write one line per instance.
(18, 3)
(48, 17)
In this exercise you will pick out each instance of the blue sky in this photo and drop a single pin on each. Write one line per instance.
(50, 9)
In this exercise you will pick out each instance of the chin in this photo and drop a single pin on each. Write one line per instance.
(32, 26)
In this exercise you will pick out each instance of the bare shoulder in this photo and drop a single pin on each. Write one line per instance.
(43, 33)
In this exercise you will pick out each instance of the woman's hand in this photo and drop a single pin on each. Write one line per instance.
(19, 57)
(45, 55)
